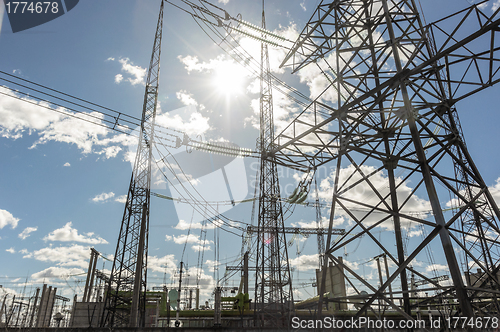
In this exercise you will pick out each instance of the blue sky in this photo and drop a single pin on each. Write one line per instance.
(62, 181)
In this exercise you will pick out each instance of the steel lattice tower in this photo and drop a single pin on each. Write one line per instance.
(129, 272)
(388, 118)
(273, 288)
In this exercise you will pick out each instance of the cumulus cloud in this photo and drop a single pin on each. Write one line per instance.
(69, 234)
(55, 272)
(436, 267)
(186, 98)
(118, 78)
(20, 115)
(325, 222)
(187, 238)
(184, 225)
(305, 262)
(196, 243)
(494, 191)
(121, 199)
(17, 116)
(26, 232)
(103, 197)
(135, 74)
(166, 263)
(6, 218)
(11, 250)
(187, 120)
(67, 165)
(75, 255)
(197, 247)
(495, 5)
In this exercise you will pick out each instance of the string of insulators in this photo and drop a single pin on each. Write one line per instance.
(257, 37)
(261, 30)
(222, 149)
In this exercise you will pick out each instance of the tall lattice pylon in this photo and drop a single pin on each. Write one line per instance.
(126, 291)
(273, 287)
(387, 122)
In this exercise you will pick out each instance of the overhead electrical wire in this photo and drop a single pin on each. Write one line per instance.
(212, 218)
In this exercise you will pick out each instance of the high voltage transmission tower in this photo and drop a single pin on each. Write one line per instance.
(126, 293)
(273, 283)
(387, 119)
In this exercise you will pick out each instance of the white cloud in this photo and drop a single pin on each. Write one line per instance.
(17, 116)
(186, 98)
(136, 74)
(190, 239)
(20, 115)
(26, 232)
(191, 122)
(11, 250)
(55, 272)
(75, 255)
(325, 222)
(198, 247)
(74, 131)
(415, 233)
(303, 5)
(436, 267)
(103, 197)
(495, 5)
(305, 262)
(6, 218)
(184, 225)
(67, 165)
(223, 1)
(166, 263)
(23, 251)
(494, 191)
(121, 199)
(212, 265)
(110, 151)
(118, 78)
(70, 234)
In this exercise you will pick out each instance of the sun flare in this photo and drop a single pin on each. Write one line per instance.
(229, 79)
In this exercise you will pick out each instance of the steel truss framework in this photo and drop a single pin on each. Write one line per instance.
(387, 116)
(273, 285)
(130, 260)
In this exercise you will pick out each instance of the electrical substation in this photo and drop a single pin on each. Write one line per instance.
(396, 81)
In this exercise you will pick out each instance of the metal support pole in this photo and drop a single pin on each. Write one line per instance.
(2, 310)
(7, 321)
(34, 307)
(92, 275)
(89, 272)
(217, 307)
(245, 273)
(177, 321)
(134, 311)
(197, 298)
(387, 276)
(42, 308)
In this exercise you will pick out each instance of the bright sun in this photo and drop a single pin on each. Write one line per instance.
(229, 79)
